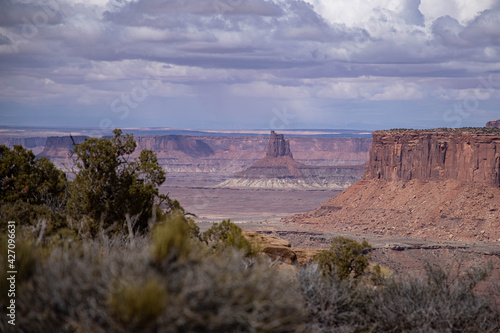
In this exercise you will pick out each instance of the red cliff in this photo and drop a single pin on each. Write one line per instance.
(278, 146)
(442, 184)
(435, 155)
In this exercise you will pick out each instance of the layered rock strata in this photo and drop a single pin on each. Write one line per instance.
(209, 160)
(279, 170)
(438, 184)
(435, 156)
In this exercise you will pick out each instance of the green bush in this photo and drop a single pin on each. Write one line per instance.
(138, 304)
(174, 239)
(225, 235)
(345, 257)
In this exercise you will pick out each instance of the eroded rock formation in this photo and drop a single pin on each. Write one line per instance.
(278, 146)
(438, 184)
(278, 169)
(429, 155)
(209, 160)
(493, 124)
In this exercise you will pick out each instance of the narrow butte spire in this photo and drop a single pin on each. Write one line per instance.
(278, 146)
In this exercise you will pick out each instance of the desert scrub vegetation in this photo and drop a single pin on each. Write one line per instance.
(439, 301)
(112, 193)
(118, 284)
(345, 258)
(227, 234)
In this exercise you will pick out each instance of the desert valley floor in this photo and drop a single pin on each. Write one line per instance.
(246, 205)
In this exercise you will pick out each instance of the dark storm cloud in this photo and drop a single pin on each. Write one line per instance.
(258, 35)
(289, 51)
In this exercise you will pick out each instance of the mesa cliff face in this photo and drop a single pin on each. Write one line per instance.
(435, 156)
(60, 146)
(440, 183)
(35, 144)
(189, 145)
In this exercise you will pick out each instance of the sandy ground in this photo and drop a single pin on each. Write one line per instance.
(216, 204)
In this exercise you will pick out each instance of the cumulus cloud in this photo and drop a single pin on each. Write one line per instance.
(301, 53)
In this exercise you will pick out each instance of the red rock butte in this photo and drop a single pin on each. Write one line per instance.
(278, 169)
(493, 124)
(278, 146)
(441, 183)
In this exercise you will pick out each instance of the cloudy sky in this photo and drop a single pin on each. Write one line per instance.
(248, 64)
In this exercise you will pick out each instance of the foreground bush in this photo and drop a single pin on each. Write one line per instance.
(438, 302)
(116, 285)
(173, 282)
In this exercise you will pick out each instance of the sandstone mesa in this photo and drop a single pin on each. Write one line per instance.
(441, 184)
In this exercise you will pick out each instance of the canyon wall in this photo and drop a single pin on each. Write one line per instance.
(208, 160)
(436, 156)
(57, 147)
(439, 184)
(36, 144)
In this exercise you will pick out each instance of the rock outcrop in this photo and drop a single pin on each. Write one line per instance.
(278, 146)
(435, 156)
(279, 170)
(60, 146)
(280, 250)
(493, 124)
(440, 184)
